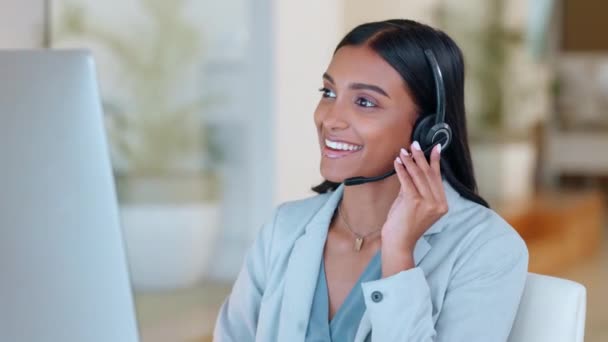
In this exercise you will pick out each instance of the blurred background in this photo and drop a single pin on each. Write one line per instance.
(209, 110)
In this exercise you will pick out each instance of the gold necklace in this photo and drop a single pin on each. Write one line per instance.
(359, 239)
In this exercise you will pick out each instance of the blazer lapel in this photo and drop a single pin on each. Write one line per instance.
(302, 272)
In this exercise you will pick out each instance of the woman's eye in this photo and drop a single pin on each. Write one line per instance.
(325, 92)
(363, 102)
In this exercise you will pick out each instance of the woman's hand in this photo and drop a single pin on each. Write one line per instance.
(420, 203)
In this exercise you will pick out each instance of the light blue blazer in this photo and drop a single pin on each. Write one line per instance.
(470, 271)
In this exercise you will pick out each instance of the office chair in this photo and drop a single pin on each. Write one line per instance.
(551, 310)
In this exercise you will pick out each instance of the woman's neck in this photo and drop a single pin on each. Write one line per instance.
(366, 206)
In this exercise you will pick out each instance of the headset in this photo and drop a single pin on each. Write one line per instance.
(429, 129)
(429, 132)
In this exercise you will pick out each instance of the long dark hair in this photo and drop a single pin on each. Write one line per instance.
(401, 43)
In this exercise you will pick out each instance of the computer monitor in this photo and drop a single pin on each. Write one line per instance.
(63, 270)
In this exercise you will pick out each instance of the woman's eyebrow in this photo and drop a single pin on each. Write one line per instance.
(329, 78)
(371, 87)
(358, 86)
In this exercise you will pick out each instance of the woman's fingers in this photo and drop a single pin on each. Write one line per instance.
(435, 161)
(417, 166)
(427, 178)
(407, 185)
(434, 175)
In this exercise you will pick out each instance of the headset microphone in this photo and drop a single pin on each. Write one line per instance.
(429, 130)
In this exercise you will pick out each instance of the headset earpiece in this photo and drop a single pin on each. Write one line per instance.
(439, 133)
(429, 134)
(423, 125)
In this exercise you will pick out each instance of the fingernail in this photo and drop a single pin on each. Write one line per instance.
(416, 145)
(398, 160)
(439, 147)
(405, 152)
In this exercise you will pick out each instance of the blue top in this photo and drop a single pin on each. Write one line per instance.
(343, 326)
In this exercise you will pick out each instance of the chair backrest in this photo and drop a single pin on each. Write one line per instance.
(551, 310)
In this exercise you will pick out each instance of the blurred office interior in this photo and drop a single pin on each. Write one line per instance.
(209, 107)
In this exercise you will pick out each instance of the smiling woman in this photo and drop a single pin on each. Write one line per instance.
(386, 51)
(418, 256)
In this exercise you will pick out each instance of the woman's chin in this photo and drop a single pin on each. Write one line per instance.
(336, 176)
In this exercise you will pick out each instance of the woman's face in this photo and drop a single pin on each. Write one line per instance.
(365, 115)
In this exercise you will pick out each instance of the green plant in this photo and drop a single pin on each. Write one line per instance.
(149, 131)
(490, 45)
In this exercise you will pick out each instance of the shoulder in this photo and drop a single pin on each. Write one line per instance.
(285, 224)
(484, 235)
(290, 218)
(468, 223)
(300, 210)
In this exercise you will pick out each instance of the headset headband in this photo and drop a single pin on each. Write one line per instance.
(439, 88)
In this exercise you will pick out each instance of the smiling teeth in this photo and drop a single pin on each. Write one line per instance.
(342, 146)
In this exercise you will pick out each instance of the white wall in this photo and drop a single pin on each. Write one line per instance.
(359, 11)
(21, 23)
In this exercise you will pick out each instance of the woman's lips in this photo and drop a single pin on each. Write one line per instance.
(335, 154)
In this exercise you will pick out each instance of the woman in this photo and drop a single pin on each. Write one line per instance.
(417, 256)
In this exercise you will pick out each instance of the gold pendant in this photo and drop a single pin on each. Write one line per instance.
(358, 243)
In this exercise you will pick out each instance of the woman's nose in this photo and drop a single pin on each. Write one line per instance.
(335, 118)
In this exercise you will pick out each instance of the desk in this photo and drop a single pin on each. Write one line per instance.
(186, 315)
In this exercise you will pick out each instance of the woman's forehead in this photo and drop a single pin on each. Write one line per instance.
(362, 64)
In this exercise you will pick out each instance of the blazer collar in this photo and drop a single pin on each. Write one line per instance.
(302, 272)
(305, 261)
